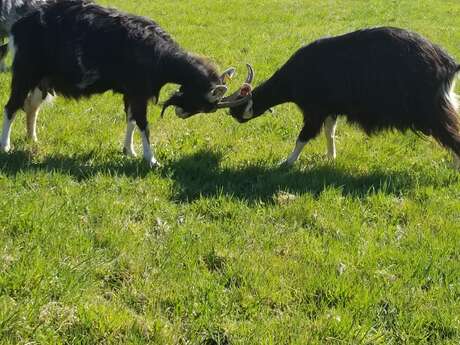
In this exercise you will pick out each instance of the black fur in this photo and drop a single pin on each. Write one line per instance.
(380, 78)
(78, 49)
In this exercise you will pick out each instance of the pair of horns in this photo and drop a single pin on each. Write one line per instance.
(241, 96)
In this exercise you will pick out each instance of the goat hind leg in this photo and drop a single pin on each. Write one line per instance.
(329, 129)
(32, 108)
(128, 146)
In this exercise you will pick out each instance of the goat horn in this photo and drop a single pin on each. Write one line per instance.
(251, 74)
(227, 74)
(234, 96)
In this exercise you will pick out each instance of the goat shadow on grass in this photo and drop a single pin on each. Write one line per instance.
(80, 167)
(200, 175)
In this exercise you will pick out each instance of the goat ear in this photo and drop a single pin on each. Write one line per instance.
(228, 74)
(217, 93)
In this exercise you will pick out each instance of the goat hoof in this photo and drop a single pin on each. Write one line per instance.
(153, 163)
(5, 148)
(129, 153)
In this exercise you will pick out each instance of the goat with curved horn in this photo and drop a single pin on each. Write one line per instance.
(363, 75)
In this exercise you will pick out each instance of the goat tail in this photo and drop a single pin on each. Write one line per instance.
(457, 69)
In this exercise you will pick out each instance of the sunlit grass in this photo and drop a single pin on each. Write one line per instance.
(220, 246)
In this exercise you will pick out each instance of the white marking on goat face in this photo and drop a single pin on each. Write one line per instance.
(248, 112)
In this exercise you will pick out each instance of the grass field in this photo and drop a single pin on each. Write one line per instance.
(220, 246)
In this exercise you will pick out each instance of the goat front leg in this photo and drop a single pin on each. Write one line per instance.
(139, 113)
(329, 130)
(308, 132)
(8, 119)
(17, 98)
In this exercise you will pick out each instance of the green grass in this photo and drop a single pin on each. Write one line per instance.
(220, 246)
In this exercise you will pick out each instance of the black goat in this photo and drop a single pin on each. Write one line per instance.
(10, 12)
(77, 48)
(380, 78)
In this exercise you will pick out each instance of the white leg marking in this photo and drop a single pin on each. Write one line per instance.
(248, 111)
(329, 129)
(128, 148)
(5, 141)
(148, 154)
(295, 154)
(32, 107)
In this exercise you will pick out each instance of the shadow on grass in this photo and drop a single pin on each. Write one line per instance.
(80, 166)
(200, 174)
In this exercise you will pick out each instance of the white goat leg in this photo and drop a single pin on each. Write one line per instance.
(329, 129)
(295, 154)
(32, 108)
(128, 147)
(6, 132)
(148, 153)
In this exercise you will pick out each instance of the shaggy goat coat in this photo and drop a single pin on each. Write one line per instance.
(77, 48)
(380, 78)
